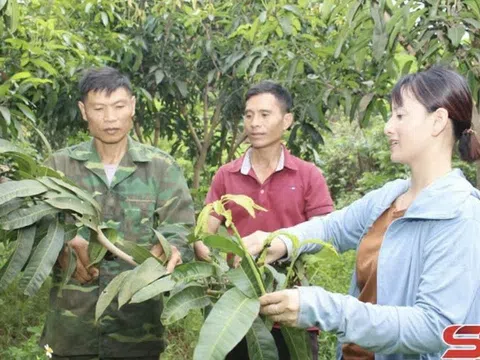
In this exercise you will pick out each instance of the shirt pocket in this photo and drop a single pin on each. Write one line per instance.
(139, 218)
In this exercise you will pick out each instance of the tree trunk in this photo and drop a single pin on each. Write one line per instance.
(198, 167)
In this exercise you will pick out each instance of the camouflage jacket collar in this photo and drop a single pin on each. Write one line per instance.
(86, 152)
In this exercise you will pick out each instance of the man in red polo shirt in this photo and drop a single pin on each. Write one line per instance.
(292, 190)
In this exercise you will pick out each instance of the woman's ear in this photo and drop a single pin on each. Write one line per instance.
(440, 121)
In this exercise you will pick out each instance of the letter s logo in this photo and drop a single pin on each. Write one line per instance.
(464, 342)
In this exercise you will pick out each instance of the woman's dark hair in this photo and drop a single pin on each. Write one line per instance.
(282, 95)
(439, 87)
(103, 79)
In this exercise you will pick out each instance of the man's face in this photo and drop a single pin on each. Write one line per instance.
(265, 120)
(109, 117)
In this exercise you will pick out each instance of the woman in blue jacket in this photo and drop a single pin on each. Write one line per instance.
(417, 240)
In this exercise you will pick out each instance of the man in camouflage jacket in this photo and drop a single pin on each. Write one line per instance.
(138, 187)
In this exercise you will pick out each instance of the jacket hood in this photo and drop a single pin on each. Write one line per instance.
(443, 199)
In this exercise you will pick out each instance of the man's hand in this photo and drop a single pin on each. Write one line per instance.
(202, 252)
(82, 273)
(255, 242)
(175, 259)
(281, 306)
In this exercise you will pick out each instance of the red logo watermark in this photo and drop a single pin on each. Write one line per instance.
(464, 342)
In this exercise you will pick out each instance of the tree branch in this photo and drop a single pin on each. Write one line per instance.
(191, 128)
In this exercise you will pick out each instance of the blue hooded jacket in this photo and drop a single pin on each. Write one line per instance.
(428, 274)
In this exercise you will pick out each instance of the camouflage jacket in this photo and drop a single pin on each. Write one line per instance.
(148, 190)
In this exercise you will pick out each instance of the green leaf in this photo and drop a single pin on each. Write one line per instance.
(260, 342)
(224, 244)
(281, 279)
(228, 322)
(250, 273)
(25, 217)
(79, 192)
(159, 75)
(96, 251)
(43, 259)
(239, 278)
(72, 203)
(144, 274)
(6, 114)
(139, 253)
(7, 146)
(107, 295)
(157, 287)
(25, 239)
(10, 206)
(455, 34)
(182, 87)
(2, 3)
(178, 305)
(71, 267)
(104, 17)
(45, 65)
(167, 248)
(21, 75)
(27, 112)
(244, 201)
(13, 189)
(297, 342)
(194, 271)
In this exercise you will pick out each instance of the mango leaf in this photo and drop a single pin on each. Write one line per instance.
(72, 203)
(25, 239)
(43, 259)
(167, 248)
(6, 114)
(79, 192)
(70, 231)
(68, 273)
(250, 273)
(297, 342)
(27, 216)
(228, 322)
(12, 189)
(10, 206)
(178, 305)
(7, 146)
(260, 342)
(109, 293)
(244, 201)
(194, 271)
(202, 220)
(27, 112)
(24, 162)
(280, 279)
(224, 244)
(238, 278)
(147, 272)
(139, 253)
(157, 287)
(96, 251)
(455, 34)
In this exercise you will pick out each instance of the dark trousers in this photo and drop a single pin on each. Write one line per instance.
(240, 352)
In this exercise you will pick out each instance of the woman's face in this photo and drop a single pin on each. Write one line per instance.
(409, 130)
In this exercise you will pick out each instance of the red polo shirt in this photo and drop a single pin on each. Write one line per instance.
(294, 193)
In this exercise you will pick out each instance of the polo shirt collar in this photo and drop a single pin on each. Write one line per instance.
(284, 161)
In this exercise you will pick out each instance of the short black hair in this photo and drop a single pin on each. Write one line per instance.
(103, 79)
(282, 95)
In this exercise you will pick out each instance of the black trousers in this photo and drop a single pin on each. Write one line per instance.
(240, 352)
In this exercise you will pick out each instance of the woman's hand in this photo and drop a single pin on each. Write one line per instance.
(281, 306)
(255, 243)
